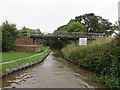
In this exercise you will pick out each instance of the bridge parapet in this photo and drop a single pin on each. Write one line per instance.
(65, 35)
(72, 34)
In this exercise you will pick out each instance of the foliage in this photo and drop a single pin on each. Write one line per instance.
(76, 27)
(115, 27)
(100, 56)
(72, 27)
(89, 23)
(95, 23)
(0, 39)
(8, 35)
(24, 31)
(63, 28)
(43, 48)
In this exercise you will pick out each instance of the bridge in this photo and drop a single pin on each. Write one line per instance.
(65, 35)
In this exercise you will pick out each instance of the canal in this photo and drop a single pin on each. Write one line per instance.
(53, 72)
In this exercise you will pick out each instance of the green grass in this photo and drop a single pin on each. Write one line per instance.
(43, 48)
(0, 57)
(20, 62)
(13, 55)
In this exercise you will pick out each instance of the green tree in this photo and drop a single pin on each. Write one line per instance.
(76, 27)
(63, 28)
(8, 35)
(95, 24)
(23, 32)
(72, 26)
(25, 29)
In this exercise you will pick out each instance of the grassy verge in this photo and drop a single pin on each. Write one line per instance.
(0, 57)
(13, 55)
(101, 56)
(9, 56)
(23, 61)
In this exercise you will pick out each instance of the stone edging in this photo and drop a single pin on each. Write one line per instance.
(10, 70)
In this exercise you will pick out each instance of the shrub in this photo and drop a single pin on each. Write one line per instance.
(102, 56)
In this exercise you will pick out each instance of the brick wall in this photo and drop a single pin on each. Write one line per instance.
(26, 44)
(24, 41)
(27, 48)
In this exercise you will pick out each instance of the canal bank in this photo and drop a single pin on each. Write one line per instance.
(41, 57)
(53, 72)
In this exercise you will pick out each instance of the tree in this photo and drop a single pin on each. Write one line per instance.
(76, 27)
(25, 29)
(8, 35)
(72, 26)
(63, 28)
(95, 24)
(24, 32)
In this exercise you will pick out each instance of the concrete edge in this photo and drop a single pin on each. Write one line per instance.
(10, 70)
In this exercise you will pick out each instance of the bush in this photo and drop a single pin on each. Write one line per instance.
(8, 35)
(102, 56)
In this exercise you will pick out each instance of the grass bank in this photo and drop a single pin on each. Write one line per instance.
(24, 61)
(101, 56)
(13, 55)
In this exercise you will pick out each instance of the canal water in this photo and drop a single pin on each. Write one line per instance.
(53, 72)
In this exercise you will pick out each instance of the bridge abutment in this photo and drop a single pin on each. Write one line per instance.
(26, 44)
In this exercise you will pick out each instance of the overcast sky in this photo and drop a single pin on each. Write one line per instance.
(48, 15)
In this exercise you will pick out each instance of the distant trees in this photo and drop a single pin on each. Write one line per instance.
(62, 28)
(28, 30)
(89, 23)
(76, 27)
(116, 25)
(25, 29)
(8, 35)
(95, 23)
(72, 27)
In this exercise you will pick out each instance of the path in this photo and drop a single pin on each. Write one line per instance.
(23, 58)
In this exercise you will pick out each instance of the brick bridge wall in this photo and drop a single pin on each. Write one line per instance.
(24, 41)
(26, 44)
(27, 48)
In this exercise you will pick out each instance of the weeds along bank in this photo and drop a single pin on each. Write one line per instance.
(101, 56)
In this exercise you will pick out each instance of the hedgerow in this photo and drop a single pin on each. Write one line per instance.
(101, 56)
